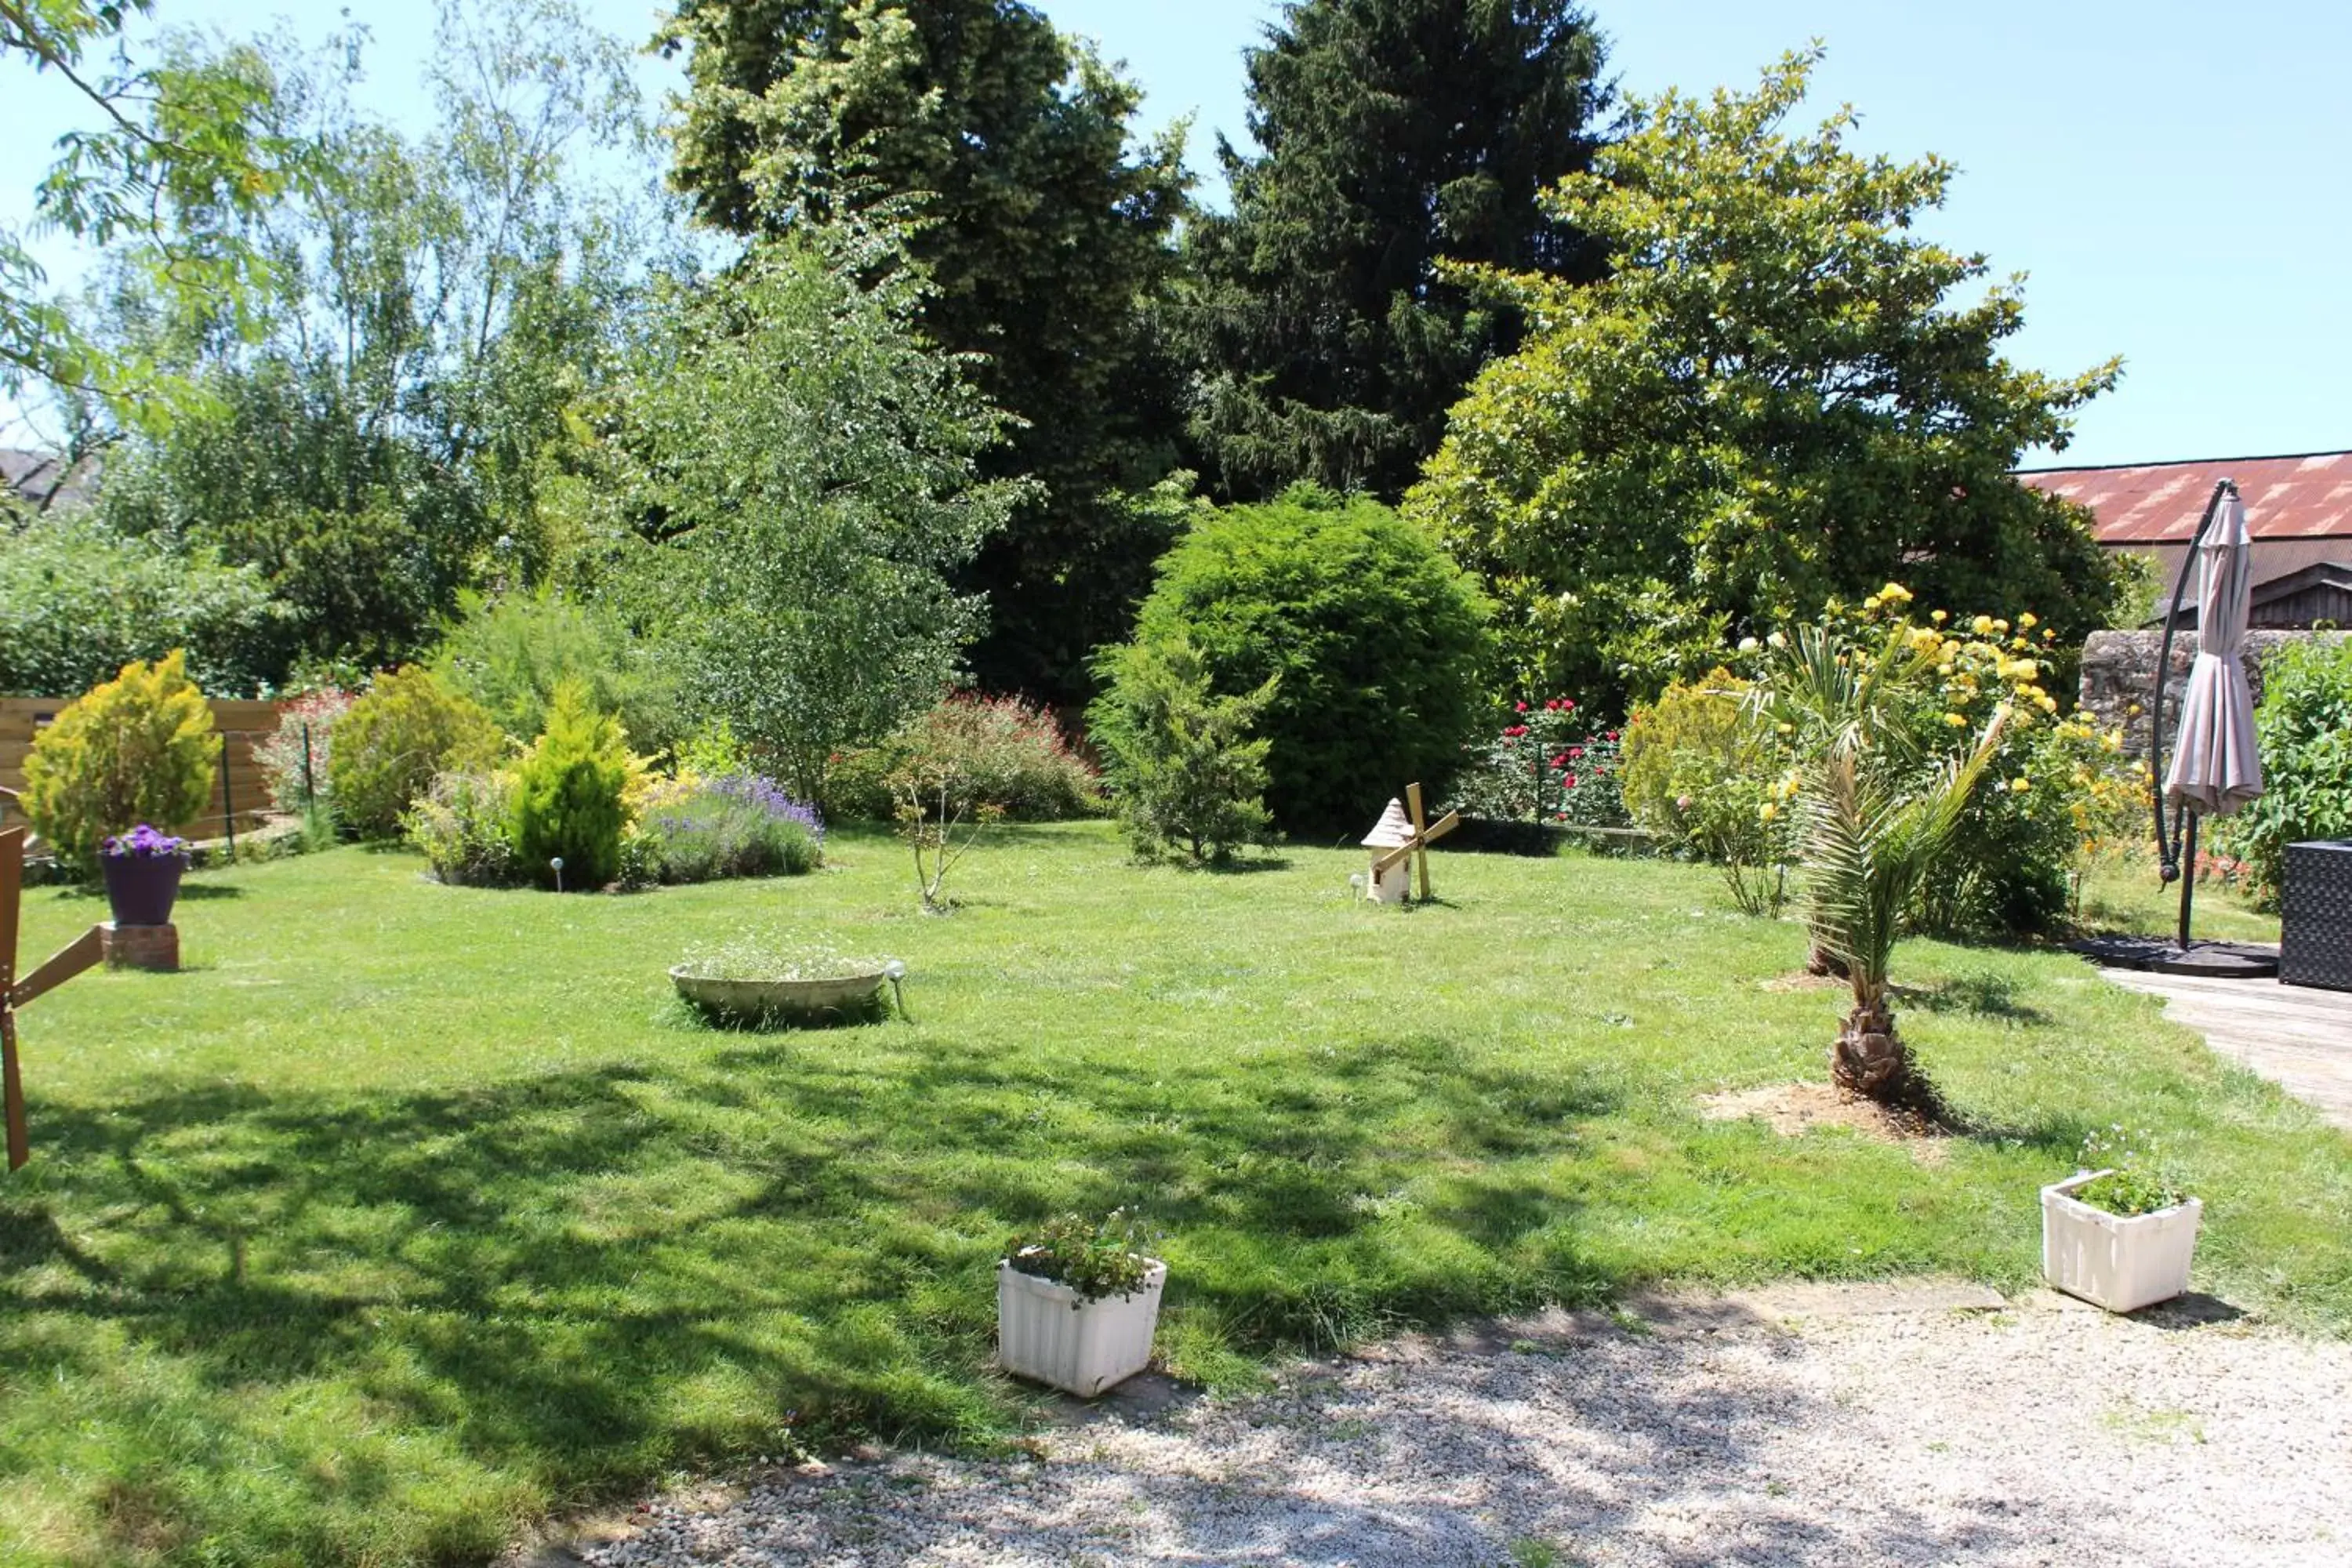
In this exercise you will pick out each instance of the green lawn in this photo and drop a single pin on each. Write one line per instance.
(408, 1213)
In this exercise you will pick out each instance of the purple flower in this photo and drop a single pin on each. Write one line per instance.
(144, 843)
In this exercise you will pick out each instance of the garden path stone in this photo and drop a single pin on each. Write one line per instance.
(1913, 1423)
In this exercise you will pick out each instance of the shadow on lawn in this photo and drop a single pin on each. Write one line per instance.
(536, 1277)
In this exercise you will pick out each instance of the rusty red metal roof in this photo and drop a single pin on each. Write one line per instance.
(2306, 496)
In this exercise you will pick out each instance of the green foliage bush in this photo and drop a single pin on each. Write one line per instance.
(464, 823)
(1185, 770)
(78, 603)
(1008, 754)
(139, 748)
(390, 743)
(509, 654)
(1379, 641)
(568, 791)
(1095, 1258)
(1702, 773)
(2304, 729)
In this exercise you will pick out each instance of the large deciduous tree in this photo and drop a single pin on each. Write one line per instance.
(1783, 392)
(1396, 135)
(177, 158)
(1047, 236)
(377, 437)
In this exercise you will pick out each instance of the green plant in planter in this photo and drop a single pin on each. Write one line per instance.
(1096, 1259)
(2136, 1182)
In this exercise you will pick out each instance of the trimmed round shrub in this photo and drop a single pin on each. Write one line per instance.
(390, 743)
(139, 748)
(568, 794)
(1378, 639)
(1013, 754)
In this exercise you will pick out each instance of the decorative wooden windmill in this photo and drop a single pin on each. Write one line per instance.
(76, 956)
(1396, 839)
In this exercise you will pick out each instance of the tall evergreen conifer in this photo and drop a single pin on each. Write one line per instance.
(1395, 134)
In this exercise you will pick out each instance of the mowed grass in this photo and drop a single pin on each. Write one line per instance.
(408, 1215)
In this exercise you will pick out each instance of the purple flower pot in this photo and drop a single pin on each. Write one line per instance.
(140, 889)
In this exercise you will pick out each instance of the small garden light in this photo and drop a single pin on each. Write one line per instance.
(555, 863)
(895, 972)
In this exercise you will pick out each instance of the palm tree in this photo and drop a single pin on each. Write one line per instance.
(1874, 814)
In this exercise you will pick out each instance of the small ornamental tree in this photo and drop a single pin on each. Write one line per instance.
(568, 788)
(1188, 774)
(139, 748)
(390, 743)
(816, 464)
(1782, 394)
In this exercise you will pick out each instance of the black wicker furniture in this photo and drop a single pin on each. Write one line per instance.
(2316, 915)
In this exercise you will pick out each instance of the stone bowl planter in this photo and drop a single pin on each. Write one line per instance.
(791, 1001)
(1048, 1332)
(2122, 1263)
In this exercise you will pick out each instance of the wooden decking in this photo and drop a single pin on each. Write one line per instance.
(2298, 1037)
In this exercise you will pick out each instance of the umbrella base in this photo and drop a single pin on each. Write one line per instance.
(2162, 956)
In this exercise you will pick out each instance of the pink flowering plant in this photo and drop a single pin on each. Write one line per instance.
(1548, 763)
(307, 720)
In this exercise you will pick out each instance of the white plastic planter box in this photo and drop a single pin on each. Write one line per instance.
(1046, 1332)
(2110, 1261)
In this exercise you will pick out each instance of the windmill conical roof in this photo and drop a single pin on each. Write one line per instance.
(1393, 828)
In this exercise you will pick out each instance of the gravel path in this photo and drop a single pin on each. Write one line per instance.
(1791, 1428)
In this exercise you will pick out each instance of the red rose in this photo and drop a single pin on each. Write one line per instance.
(1569, 781)
(1514, 731)
(1519, 707)
(1566, 706)
(1612, 734)
(1576, 750)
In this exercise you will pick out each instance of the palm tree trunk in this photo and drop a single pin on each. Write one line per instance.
(1870, 1058)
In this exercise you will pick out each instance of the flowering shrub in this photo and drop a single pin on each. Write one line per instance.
(1011, 755)
(306, 727)
(464, 823)
(1546, 765)
(694, 829)
(2056, 789)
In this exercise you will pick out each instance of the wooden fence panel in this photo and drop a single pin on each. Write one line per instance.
(241, 725)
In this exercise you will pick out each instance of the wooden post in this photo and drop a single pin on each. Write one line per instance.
(62, 966)
(12, 1081)
(1420, 835)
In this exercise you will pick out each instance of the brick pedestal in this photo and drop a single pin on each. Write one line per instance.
(140, 947)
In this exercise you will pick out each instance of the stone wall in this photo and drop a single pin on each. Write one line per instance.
(2119, 674)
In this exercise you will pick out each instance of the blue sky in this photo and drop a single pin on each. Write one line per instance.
(2173, 178)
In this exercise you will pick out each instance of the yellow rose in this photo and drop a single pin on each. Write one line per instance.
(1983, 625)
(1953, 720)
(2020, 785)
(2029, 620)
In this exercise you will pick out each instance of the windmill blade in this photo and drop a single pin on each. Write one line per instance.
(63, 965)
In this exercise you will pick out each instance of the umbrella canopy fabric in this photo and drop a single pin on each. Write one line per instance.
(2215, 768)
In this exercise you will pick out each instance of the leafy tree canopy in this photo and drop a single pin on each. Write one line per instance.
(1046, 235)
(377, 433)
(1397, 135)
(1782, 394)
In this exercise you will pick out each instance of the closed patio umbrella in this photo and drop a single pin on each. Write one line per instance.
(2215, 767)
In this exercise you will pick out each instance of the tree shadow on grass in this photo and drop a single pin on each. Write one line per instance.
(1979, 993)
(561, 1286)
